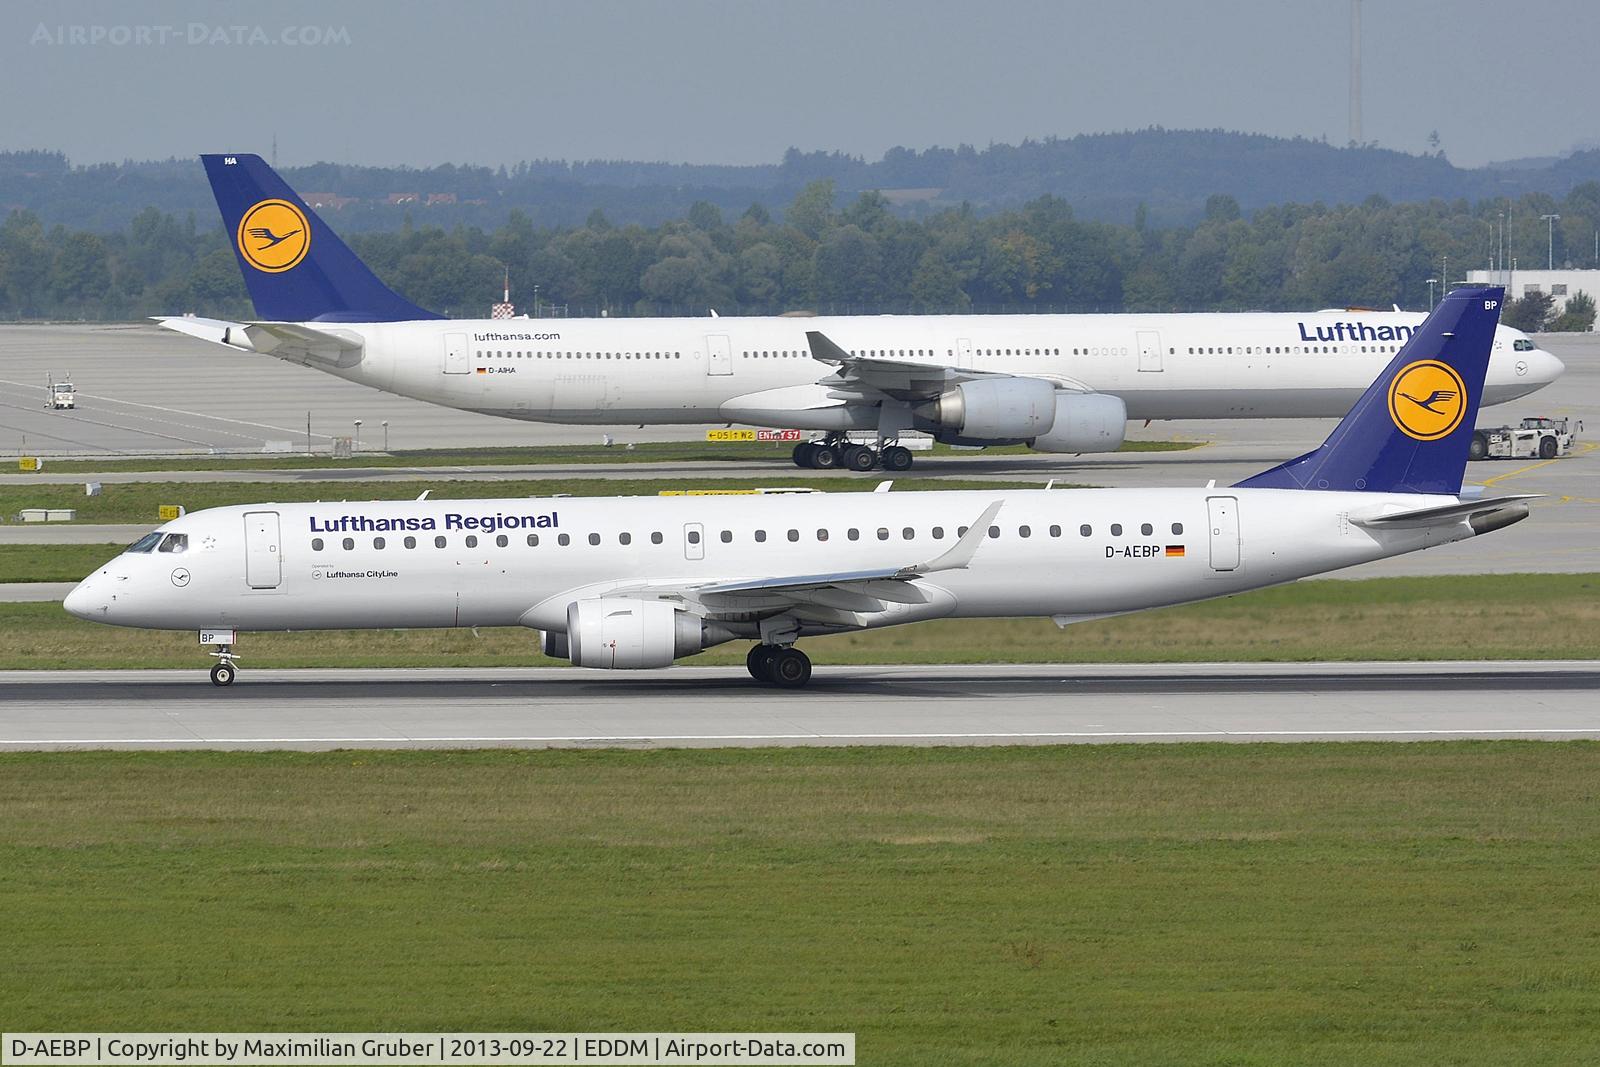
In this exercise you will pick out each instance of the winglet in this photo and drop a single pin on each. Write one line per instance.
(824, 349)
(959, 554)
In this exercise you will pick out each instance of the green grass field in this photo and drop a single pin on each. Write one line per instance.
(1408, 904)
(1483, 617)
(653, 452)
(128, 502)
(52, 563)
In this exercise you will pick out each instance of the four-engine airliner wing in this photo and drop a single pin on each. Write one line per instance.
(902, 379)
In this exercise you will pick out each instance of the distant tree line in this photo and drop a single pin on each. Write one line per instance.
(858, 257)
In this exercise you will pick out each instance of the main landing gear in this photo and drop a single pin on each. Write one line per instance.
(837, 450)
(781, 665)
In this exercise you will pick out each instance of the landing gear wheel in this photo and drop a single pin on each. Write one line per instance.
(824, 457)
(791, 668)
(1478, 447)
(860, 458)
(759, 662)
(223, 674)
(897, 458)
(802, 453)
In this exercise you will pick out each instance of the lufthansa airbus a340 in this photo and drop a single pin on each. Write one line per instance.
(1060, 383)
(634, 582)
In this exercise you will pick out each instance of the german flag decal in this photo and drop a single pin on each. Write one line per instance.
(1174, 550)
(483, 370)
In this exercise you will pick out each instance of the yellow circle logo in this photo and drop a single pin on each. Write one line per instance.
(1427, 400)
(274, 236)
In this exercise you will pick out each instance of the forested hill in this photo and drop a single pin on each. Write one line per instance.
(1104, 177)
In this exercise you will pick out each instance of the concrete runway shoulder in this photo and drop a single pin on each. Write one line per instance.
(718, 707)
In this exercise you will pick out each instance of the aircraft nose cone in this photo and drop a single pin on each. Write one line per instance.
(87, 600)
(1544, 367)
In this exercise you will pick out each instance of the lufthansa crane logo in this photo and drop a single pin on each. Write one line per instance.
(1427, 400)
(274, 236)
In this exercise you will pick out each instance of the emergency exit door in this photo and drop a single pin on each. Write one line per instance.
(1224, 525)
(1149, 350)
(719, 354)
(263, 560)
(457, 357)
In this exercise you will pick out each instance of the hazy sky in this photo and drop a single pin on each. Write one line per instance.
(692, 81)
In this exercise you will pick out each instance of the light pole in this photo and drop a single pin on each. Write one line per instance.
(357, 446)
(1431, 283)
(1444, 276)
(1550, 240)
(535, 301)
(386, 435)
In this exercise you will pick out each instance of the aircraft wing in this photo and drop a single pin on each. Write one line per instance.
(1444, 514)
(858, 376)
(285, 340)
(818, 595)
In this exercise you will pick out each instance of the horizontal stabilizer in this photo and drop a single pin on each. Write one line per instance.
(285, 340)
(1444, 515)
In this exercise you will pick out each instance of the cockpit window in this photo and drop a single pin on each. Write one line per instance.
(146, 543)
(174, 543)
(1521, 344)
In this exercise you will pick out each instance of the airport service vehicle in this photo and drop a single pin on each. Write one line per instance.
(639, 582)
(1539, 437)
(63, 395)
(1059, 383)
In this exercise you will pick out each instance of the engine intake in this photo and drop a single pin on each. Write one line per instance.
(993, 409)
(1085, 422)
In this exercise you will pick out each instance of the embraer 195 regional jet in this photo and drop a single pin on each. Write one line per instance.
(632, 582)
(1059, 383)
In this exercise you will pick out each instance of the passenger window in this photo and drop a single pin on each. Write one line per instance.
(175, 543)
(822, 535)
(727, 537)
(655, 538)
(961, 531)
(349, 543)
(502, 541)
(1055, 531)
(1177, 527)
(1116, 529)
(794, 535)
(533, 540)
(994, 531)
(1024, 531)
(624, 538)
(439, 542)
(938, 533)
(694, 537)
(883, 533)
(853, 534)
(379, 543)
(1147, 529)
(472, 540)
(563, 540)
(1085, 530)
(146, 543)
(761, 536)
(908, 533)
(411, 542)
(316, 545)
(594, 539)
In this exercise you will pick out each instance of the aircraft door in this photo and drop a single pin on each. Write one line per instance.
(719, 354)
(263, 560)
(1224, 525)
(1149, 350)
(964, 352)
(694, 541)
(457, 357)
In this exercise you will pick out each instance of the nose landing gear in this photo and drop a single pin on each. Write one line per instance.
(225, 670)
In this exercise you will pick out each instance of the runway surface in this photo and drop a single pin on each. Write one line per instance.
(711, 707)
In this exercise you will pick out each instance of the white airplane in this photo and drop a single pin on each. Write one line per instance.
(635, 582)
(1060, 383)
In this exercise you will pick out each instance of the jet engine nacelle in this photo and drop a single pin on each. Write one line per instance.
(632, 634)
(993, 409)
(1085, 422)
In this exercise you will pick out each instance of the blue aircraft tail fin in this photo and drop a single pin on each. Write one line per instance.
(1410, 431)
(294, 265)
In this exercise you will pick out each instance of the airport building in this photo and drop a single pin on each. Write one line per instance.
(1561, 284)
